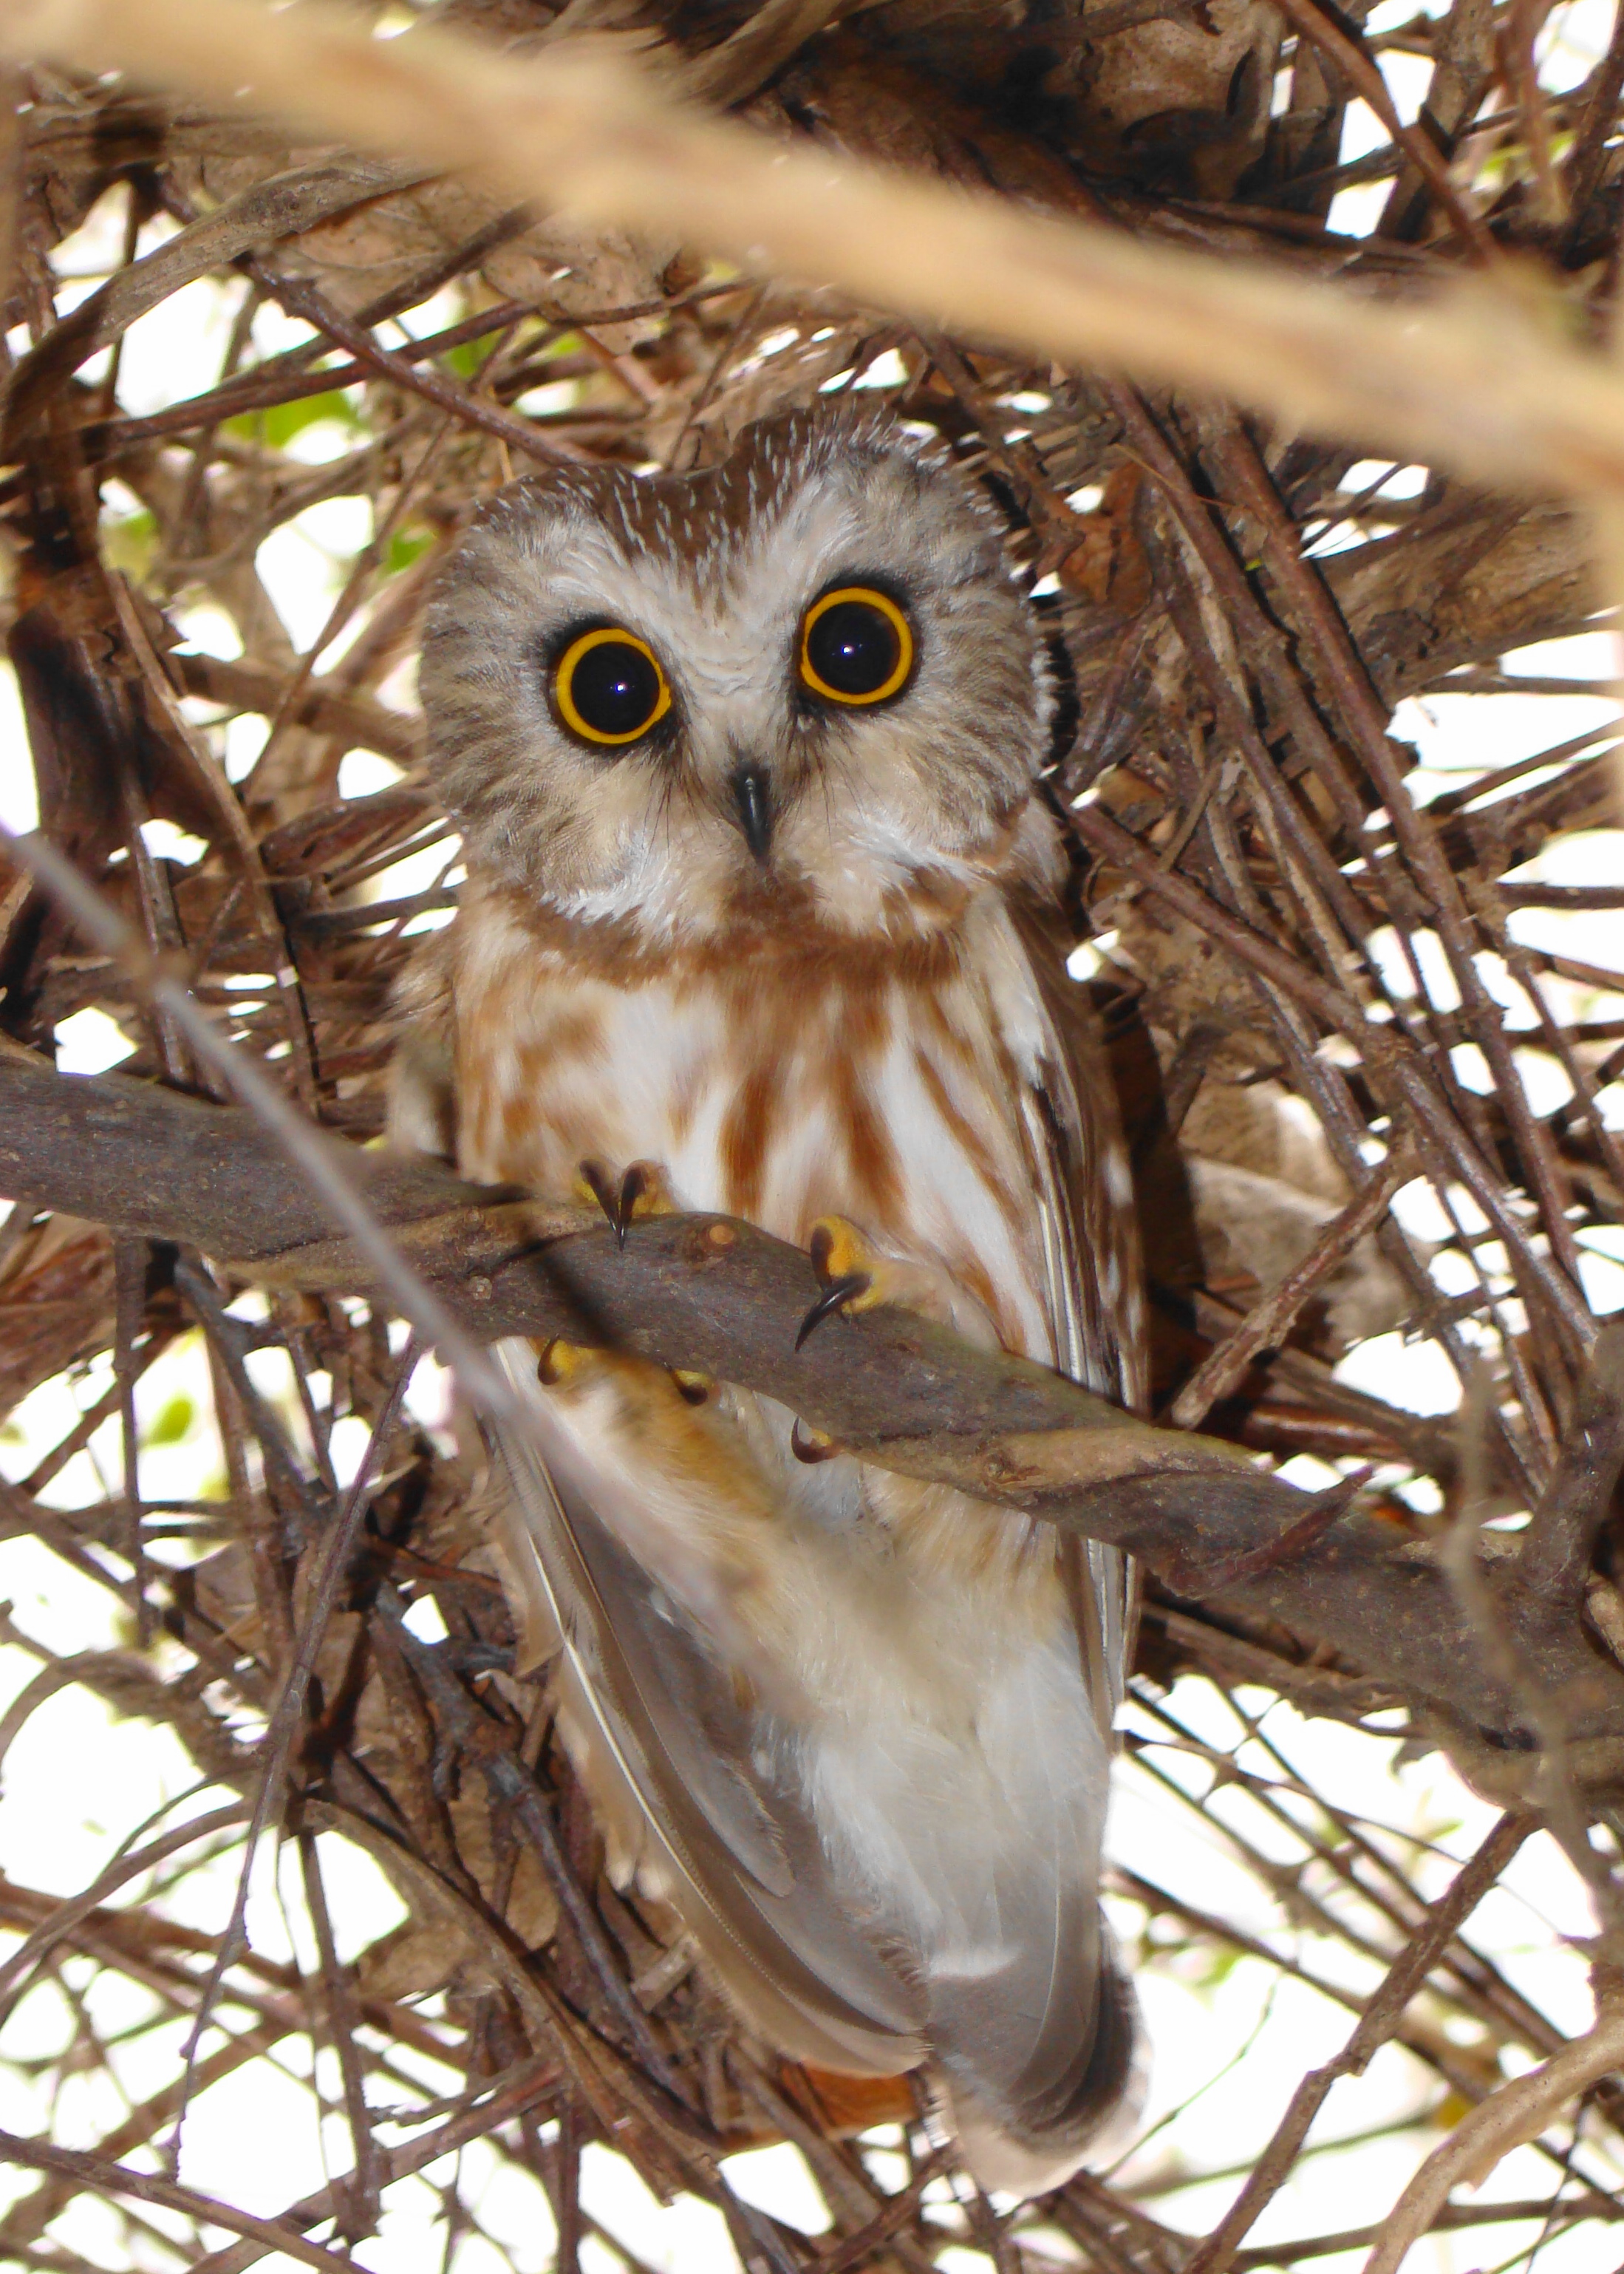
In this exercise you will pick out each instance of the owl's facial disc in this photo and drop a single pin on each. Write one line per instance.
(800, 685)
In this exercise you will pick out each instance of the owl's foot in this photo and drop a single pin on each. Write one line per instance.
(858, 1275)
(559, 1364)
(642, 1191)
(854, 1272)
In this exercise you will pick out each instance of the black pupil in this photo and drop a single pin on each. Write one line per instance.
(615, 687)
(853, 647)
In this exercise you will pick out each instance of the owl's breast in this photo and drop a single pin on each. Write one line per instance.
(780, 1087)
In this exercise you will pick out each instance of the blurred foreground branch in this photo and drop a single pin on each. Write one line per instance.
(1474, 383)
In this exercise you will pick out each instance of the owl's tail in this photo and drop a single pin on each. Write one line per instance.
(1024, 2136)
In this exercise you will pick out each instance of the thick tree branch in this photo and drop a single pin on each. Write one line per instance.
(708, 1293)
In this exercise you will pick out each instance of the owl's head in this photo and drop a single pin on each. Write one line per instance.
(805, 679)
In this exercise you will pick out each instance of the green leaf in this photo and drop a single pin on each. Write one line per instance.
(127, 540)
(466, 357)
(173, 1423)
(405, 546)
(280, 422)
(1217, 1970)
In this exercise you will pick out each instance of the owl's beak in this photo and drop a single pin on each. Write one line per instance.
(753, 797)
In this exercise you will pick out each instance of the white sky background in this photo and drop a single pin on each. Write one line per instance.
(77, 1782)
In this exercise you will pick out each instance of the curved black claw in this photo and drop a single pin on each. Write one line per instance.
(595, 1176)
(633, 1183)
(811, 1448)
(834, 1298)
(617, 1206)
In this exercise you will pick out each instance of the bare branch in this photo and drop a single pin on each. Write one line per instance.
(710, 1293)
(1380, 2021)
(146, 2187)
(1519, 2110)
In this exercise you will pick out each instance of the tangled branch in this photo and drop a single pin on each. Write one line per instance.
(1271, 891)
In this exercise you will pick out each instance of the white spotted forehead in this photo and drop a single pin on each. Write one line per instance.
(728, 604)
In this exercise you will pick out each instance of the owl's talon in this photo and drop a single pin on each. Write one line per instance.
(558, 1361)
(811, 1445)
(854, 1272)
(835, 1297)
(595, 1182)
(641, 1191)
(633, 1187)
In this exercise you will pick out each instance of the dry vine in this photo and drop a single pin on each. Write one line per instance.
(1302, 951)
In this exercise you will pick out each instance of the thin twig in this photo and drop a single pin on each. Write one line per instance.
(107, 2179)
(1381, 2019)
(276, 1746)
(510, 1784)
(1519, 2110)
(1267, 1323)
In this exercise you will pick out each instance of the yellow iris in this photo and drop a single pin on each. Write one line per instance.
(856, 646)
(609, 686)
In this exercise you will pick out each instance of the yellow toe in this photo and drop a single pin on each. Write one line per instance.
(650, 1194)
(841, 1251)
(559, 1362)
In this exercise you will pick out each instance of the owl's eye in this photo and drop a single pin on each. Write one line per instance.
(856, 646)
(609, 686)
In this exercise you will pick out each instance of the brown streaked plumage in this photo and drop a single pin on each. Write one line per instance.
(800, 951)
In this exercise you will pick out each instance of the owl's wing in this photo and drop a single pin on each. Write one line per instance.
(1039, 2051)
(1094, 1266)
(1091, 1250)
(665, 1746)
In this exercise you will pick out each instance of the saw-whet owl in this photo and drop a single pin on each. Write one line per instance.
(761, 918)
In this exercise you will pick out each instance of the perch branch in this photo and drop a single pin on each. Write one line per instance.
(707, 1292)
